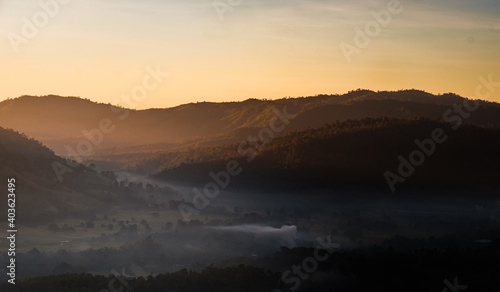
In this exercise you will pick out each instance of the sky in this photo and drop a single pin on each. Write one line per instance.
(232, 50)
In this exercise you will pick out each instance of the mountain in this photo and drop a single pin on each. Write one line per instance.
(358, 136)
(40, 195)
(355, 153)
(60, 121)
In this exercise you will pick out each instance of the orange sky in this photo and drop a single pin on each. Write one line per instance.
(257, 49)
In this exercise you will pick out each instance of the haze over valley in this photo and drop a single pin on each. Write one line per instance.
(222, 183)
(230, 145)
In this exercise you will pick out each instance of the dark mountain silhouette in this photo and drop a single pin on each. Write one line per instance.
(353, 137)
(40, 195)
(351, 153)
(59, 121)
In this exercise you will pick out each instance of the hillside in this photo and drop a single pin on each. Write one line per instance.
(355, 152)
(186, 142)
(41, 196)
(59, 121)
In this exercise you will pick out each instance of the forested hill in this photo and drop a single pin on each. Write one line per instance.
(20, 154)
(59, 121)
(354, 152)
(40, 195)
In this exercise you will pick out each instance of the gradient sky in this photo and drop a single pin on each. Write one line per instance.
(261, 49)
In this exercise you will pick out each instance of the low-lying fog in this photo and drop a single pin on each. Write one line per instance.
(153, 238)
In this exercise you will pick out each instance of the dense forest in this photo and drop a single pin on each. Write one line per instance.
(372, 269)
(205, 123)
(354, 151)
(82, 191)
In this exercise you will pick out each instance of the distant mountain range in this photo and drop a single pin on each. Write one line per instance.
(325, 140)
(60, 121)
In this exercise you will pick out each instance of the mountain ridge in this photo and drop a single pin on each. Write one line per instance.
(40, 195)
(352, 153)
(60, 121)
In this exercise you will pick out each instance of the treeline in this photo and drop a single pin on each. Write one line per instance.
(241, 278)
(82, 192)
(19, 152)
(153, 162)
(157, 139)
(375, 269)
(359, 152)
